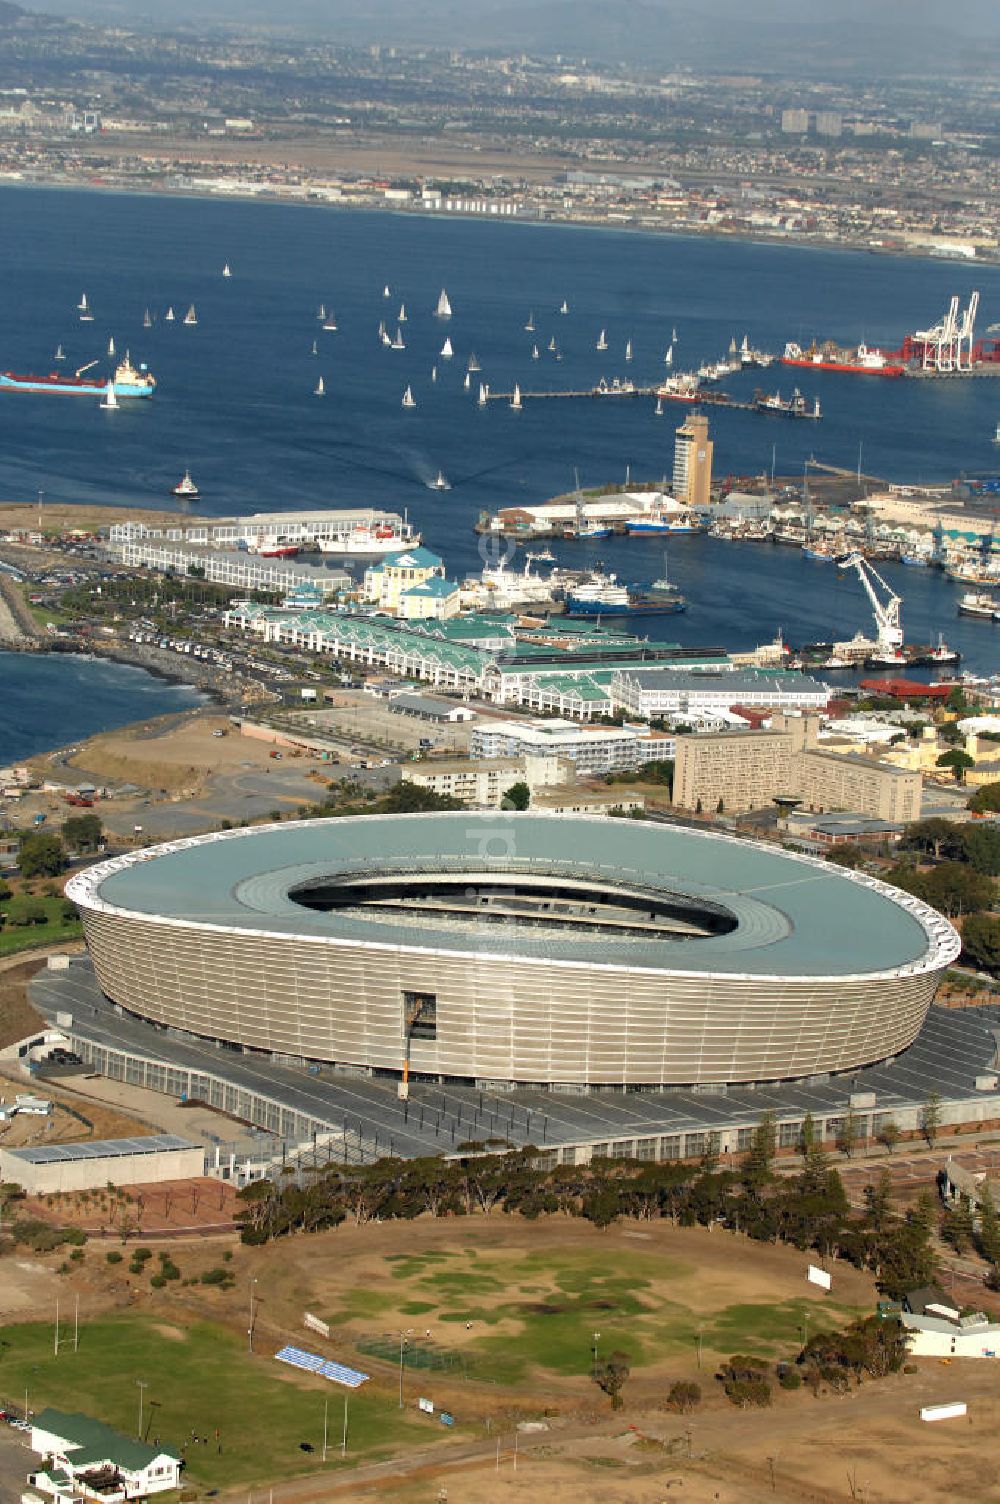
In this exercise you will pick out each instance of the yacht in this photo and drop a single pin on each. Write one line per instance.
(397, 343)
(86, 317)
(446, 351)
(147, 320)
(628, 349)
(60, 353)
(978, 603)
(321, 313)
(515, 401)
(439, 483)
(386, 291)
(530, 325)
(168, 317)
(111, 345)
(330, 323)
(315, 348)
(483, 395)
(443, 310)
(408, 398)
(552, 344)
(996, 436)
(320, 388)
(564, 306)
(226, 270)
(602, 341)
(185, 488)
(473, 362)
(191, 318)
(534, 352)
(401, 316)
(110, 400)
(467, 383)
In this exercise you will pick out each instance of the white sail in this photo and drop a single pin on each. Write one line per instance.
(60, 353)
(564, 306)
(226, 270)
(602, 341)
(515, 401)
(552, 344)
(111, 345)
(443, 309)
(402, 313)
(673, 336)
(530, 325)
(534, 352)
(408, 398)
(169, 316)
(434, 373)
(321, 312)
(482, 395)
(397, 343)
(659, 407)
(110, 400)
(147, 320)
(315, 348)
(473, 362)
(320, 390)
(191, 317)
(446, 351)
(668, 359)
(467, 383)
(628, 349)
(83, 304)
(86, 317)
(387, 291)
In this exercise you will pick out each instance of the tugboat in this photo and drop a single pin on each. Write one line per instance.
(186, 488)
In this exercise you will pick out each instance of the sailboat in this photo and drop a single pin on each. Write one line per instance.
(659, 407)
(628, 349)
(402, 313)
(60, 353)
(482, 399)
(996, 436)
(169, 316)
(110, 400)
(397, 343)
(386, 291)
(534, 352)
(86, 317)
(564, 306)
(147, 320)
(552, 344)
(530, 325)
(320, 388)
(446, 351)
(191, 318)
(668, 359)
(321, 313)
(315, 349)
(434, 373)
(111, 345)
(673, 336)
(473, 362)
(439, 483)
(443, 310)
(467, 383)
(515, 401)
(408, 398)
(602, 341)
(330, 322)
(226, 270)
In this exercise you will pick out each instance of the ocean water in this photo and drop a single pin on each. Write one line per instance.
(235, 396)
(50, 699)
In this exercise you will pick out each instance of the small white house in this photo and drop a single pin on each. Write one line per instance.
(85, 1457)
(951, 1336)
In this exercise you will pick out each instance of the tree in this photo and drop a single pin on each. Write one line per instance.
(985, 800)
(611, 1376)
(930, 1118)
(83, 832)
(889, 1135)
(758, 1168)
(683, 1396)
(981, 941)
(41, 854)
(848, 1134)
(980, 846)
(956, 1225)
(958, 760)
(518, 796)
(987, 1233)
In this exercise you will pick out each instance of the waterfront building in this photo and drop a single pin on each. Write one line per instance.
(652, 692)
(593, 750)
(386, 581)
(433, 599)
(693, 462)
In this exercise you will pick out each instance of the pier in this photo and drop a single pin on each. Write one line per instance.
(704, 397)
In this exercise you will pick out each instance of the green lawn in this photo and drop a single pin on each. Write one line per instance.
(539, 1312)
(200, 1379)
(26, 937)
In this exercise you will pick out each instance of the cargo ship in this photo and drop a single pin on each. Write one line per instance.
(864, 361)
(127, 381)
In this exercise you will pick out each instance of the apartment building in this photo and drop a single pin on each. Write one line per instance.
(593, 750)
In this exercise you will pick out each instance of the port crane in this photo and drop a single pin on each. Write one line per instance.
(887, 611)
(83, 369)
(948, 344)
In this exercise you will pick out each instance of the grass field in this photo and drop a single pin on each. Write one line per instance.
(14, 938)
(201, 1379)
(506, 1316)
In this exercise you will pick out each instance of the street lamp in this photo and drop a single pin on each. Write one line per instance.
(143, 1385)
(253, 1284)
(597, 1338)
(402, 1348)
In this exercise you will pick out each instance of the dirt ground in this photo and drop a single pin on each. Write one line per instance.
(173, 1207)
(105, 1121)
(86, 518)
(172, 753)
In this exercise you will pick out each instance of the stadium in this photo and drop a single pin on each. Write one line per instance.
(530, 950)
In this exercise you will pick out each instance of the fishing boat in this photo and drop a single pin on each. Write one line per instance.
(473, 362)
(628, 349)
(397, 343)
(60, 353)
(185, 488)
(439, 483)
(226, 270)
(401, 316)
(408, 398)
(564, 306)
(446, 351)
(515, 401)
(443, 310)
(110, 402)
(683, 387)
(111, 345)
(594, 530)
(168, 317)
(320, 388)
(147, 320)
(191, 318)
(83, 307)
(602, 341)
(330, 323)
(530, 325)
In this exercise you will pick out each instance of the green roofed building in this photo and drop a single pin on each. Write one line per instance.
(83, 1455)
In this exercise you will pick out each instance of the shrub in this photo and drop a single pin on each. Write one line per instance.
(745, 1393)
(158, 1281)
(77, 1255)
(791, 1379)
(114, 1257)
(215, 1276)
(74, 1235)
(140, 1255)
(683, 1396)
(37, 1235)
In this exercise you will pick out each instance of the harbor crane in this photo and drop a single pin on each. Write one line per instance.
(887, 611)
(948, 344)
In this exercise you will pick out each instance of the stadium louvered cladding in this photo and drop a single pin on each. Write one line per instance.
(522, 948)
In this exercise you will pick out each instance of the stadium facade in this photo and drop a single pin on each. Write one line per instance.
(518, 949)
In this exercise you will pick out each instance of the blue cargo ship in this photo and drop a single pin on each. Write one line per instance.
(127, 381)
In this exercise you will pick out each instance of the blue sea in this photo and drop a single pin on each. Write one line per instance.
(50, 699)
(235, 396)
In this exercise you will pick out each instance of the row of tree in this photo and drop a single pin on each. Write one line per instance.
(808, 1210)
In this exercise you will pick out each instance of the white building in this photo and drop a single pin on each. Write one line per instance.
(84, 1456)
(592, 749)
(675, 692)
(485, 783)
(951, 1336)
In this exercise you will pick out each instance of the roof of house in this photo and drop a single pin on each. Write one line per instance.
(434, 586)
(413, 558)
(91, 1440)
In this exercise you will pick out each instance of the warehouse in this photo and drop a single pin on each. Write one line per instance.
(96, 1163)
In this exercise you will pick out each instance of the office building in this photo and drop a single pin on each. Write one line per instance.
(693, 462)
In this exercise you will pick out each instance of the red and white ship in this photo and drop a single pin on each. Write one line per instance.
(278, 548)
(684, 387)
(864, 361)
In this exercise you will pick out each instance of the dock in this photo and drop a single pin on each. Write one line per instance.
(706, 397)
